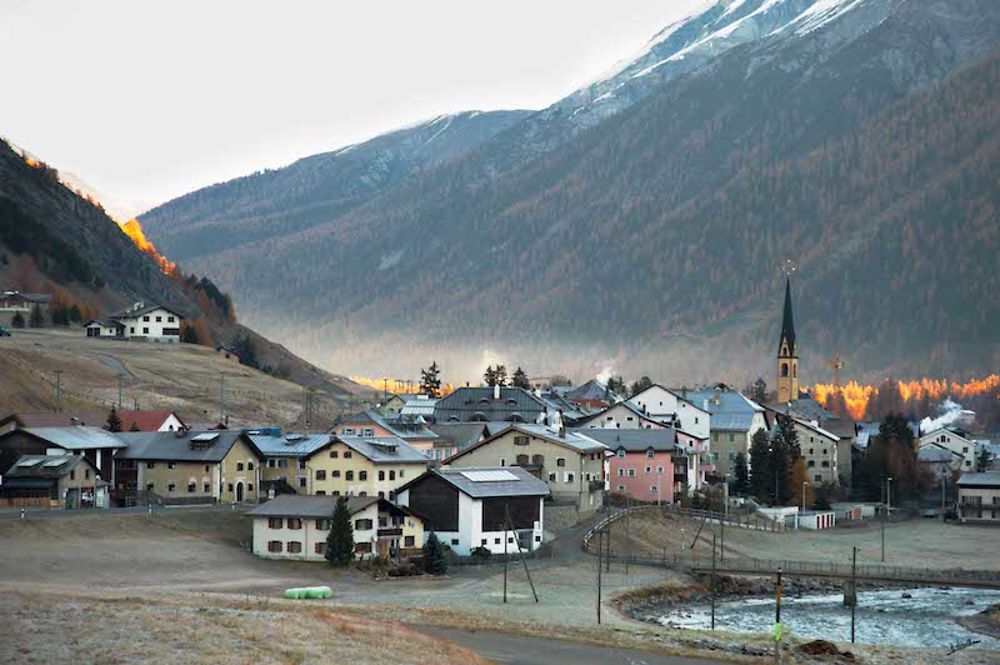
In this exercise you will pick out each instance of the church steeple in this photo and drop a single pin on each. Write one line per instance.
(788, 355)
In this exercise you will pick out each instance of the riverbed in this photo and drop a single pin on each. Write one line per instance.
(927, 617)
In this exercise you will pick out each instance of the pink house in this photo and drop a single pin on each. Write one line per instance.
(641, 463)
(373, 424)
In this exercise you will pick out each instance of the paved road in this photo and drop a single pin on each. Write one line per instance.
(517, 650)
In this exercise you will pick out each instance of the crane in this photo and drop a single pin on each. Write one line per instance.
(837, 364)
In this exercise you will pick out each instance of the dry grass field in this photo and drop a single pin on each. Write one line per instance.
(183, 377)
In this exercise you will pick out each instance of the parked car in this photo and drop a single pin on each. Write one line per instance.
(4, 332)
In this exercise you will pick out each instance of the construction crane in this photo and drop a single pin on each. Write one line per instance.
(837, 364)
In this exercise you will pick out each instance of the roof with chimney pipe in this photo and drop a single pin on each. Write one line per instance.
(575, 440)
(484, 404)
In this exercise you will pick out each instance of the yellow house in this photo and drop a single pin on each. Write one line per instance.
(284, 458)
(218, 466)
(363, 466)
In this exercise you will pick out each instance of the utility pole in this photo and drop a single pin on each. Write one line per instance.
(607, 557)
(854, 587)
(505, 562)
(600, 552)
(58, 390)
(222, 397)
(722, 539)
(713, 582)
(777, 619)
(119, 392)
(944, 485)
(628, 546)
(803, 497)
(524, 562)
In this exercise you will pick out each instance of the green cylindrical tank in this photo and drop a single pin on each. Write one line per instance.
(308, 592)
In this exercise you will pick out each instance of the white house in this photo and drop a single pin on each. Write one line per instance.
(668, 407)
(292, 526)
(955, 441)
(818, 446)
(979, 497)
(140, 321)
(622, 415)
(496, 508)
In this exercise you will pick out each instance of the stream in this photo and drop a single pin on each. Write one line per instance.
(926, 618)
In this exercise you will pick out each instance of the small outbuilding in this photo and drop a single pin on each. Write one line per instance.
(53, 481)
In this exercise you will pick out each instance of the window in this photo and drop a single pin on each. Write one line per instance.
(208, 488)
(621, 453)
(552, 477)
(347, 431)
(503, 462)
(170, 319)
(363, 525)
(569, 477)
(454, 541)
(86, 474)
(320, 474)
(362, 475)
(294, 523)
(731, 437)
(825, 464)
(521, 440)
(381, 495)
(367, 432)
(335, 473)
(383, 522)
(392, 475)
(131, 330)
(239, 466)
(362, 548)
(818, 479)
(659, 469)
(170, 487)
(171, 465)
(302, 464)
(561, 461)
(362, 493)
(150, 465)
(652, 488)
(649, 454)
(696, 420)
(294, 547)
(145, 319)
(496, 541)
(230, 487)
(810, 464)
(408, 541)
(149, 487)
(631, 473)
(270, 463)
(348, 475)
(621, 488)
(250, 487)
(348, 454)
(274, 522)
(522, 460)
(159, 319)
(621, 472)
(334, 454)
(249, 466)
(320, 548)
(274, 546)
(302, 481)
(381, 475)
(190, 488)
(145, 331)
(401, 472)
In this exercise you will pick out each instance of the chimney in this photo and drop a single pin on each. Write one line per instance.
(496, 391)
(562, 431)
(718, 395)
(684, 392)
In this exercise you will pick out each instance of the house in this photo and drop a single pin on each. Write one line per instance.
(284, 459)
(734, 421)
(392, 405)
(939, 461)
(13, 303)
(453, 437)
(818, 447)
(487, 404)
(670, 408)
(571, 463)
(65, 481)
(641, 463)
(808, 409)
(227, 354)
(955, 440)
(187, 467)
(296, 527)
(499, 509)
(622, 415)
(363, 466)
(569, 412)
(371, 423)
(97, 445)
(162, 420)
(979, 497)
(140, 321)
(592, 395)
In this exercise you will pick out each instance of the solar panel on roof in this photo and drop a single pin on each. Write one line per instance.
(30, 462)
(489, 476)
(55, 462)
(205, 436)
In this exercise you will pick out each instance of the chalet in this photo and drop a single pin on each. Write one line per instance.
(64, 481)
(641, 463)
(97, 445)
(955, 440)
(571, 463)
(285, 458)
(486, 404)
(499, 509)
(670, 408)
(734, 421)
(296, 527)
(363, 466)
(372, 424)
(979, 497)
(188, 467)
(140, 321)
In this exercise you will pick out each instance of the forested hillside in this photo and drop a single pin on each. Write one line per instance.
(865, 151)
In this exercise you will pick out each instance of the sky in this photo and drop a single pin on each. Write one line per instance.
(145, 101)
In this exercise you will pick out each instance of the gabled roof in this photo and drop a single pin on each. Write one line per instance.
(634, 440)
(462, 435)
(104, 323)
(675, 393)
(43, 466)
(729, 401)
(383, 449)
(484, 482)
(76, 437)
(133, 311)
(731, 422)
(309, 506)
(591, 390)
(934, 452)
(291, 444)
(574, 440)
(470, 404)
(624, 405)
(404, 429)
(989, 479)
(180, 447)
(805, 407)
(146, 421)
(814, 427)
(954, 431)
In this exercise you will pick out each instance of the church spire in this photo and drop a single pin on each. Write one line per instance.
(786, 345)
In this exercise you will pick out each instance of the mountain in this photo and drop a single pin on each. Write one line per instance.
(640, 223)
(54, 240)
(316, 189)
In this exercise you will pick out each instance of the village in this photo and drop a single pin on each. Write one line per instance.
(524, 473)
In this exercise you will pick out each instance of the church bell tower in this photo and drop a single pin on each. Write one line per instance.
(788, 355)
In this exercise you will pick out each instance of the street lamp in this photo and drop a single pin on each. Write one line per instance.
(804, 496)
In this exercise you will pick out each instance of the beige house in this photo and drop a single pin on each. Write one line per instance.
(284, 458)
(218, 466)
(55, 481)
(296, 527)
(979, 497)
(571, 463)
(954, 440)
(819, 448)
(362, 466)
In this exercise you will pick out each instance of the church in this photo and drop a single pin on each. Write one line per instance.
(788, 355)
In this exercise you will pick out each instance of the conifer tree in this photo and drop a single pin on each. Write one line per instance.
(520, 379)
(36, 320)
(800, 484)
(741, 475)
(761, 471)
(434, 561)
(430, 380)
(17, 321)
(114, 423)
(340, 539)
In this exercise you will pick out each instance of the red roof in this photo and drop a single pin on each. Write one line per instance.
(145, 421)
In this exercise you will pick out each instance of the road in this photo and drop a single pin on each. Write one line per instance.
(518, 650)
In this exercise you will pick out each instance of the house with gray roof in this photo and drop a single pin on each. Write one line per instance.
(734, 420)
(453, 437)
(979, 497)
(141, 321)
(284, 458)
(371, 423)
(487, 404)
(54, 481)
(98, 445)
(494, 509)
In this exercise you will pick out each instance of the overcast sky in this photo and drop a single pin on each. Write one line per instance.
(148, 100)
